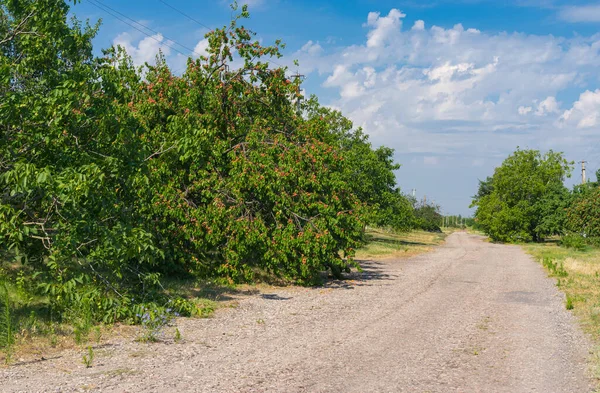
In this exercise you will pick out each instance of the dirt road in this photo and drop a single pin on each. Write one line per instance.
(468, 317)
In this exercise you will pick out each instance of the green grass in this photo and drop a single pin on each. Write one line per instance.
(384, 244)
(29, 329)
(577, 274)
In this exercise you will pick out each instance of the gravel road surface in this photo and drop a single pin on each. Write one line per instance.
(468, 317)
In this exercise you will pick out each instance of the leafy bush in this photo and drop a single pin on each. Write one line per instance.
(7, 326)
(574, 241)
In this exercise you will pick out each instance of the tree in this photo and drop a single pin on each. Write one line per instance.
(583, 215)
(113, 176)
(368, 171)
(525, 198)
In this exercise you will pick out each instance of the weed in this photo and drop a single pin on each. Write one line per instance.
(177, 337)
(97, 334)
(53, 336)
(7, 333)
(381, 243)
(82, 320)
(88, 358)
(153, 322)
(569, 303)
(556, 269)
(260, 321)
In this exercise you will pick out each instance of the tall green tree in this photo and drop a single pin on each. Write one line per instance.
(525, 198)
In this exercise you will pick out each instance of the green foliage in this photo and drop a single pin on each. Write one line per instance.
(7, 327)
(584, 213)
(556, 269)
(569, 303)
(153, 321)
(113, 177)
(427, 217)
(574, 241)
(525, 199)
(88, 358)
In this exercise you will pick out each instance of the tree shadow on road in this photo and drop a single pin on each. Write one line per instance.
(371, 271)
(398, 242)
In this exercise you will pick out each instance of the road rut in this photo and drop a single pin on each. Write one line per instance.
(469, 316)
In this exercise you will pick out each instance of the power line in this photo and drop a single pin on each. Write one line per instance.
(202, 24)
(115, 14)
(184, 14)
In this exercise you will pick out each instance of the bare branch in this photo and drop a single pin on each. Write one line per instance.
(160, 152)
(18, 30)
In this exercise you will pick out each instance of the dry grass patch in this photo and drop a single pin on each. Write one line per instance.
(582, 283)
(383, 244)
(581, 286)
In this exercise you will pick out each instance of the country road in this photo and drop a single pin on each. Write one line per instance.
(469, 316)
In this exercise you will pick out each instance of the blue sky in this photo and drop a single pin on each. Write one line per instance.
(452, 86)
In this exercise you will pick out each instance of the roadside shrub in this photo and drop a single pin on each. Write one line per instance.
(574, 241)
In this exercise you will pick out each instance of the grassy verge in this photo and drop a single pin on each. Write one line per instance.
(35, 332)
(577, 274)
(383, 244)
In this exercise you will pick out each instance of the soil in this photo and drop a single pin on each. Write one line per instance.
(469, 316)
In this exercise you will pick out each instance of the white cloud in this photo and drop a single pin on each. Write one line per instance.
(145, 50)
(384, 27)
(584, 13)
(549, 105)
(459, 100)
(201, 47)
(523, 110)
(419, 25)
(312, 48)
(452, 90)
(585, 112)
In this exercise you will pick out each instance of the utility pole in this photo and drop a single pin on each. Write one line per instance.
(583, 172)
(425, 200)
(414, 192)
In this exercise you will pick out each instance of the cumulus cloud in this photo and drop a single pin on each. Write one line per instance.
(585, 112)
(201, 47)
(419, 25)
(458, 84)
(312, 48)
(523, 110)
(383, 27)
(437, 92)
(549, 105)
(145, 50)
